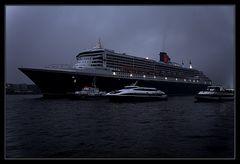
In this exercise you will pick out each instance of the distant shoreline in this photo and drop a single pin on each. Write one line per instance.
(23, 94)
(17, 89)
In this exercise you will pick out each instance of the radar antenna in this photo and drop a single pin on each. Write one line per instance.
(134, 84)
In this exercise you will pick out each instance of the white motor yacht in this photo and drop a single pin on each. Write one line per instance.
(215, 93)
(136, 93)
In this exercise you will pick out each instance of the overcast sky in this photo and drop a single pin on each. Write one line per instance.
(37, 36)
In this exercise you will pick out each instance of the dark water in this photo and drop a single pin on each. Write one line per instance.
(177, 128)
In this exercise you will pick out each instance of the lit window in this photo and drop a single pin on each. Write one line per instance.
(144, 76)
(74, 80)
(73, 77)
(131, 75)
(154, 77)
(176, 79)
(114, 73)
(184, 79)
(165, 78)
(194, 81)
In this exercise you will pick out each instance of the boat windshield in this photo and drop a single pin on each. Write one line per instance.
(229, 90)
(130, 87)
(145, 89)
(217, 89)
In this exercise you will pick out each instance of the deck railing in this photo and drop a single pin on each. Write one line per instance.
(59, 66)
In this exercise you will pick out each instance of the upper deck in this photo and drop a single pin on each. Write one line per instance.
(123, 65)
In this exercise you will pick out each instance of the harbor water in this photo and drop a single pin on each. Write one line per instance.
(64, 128)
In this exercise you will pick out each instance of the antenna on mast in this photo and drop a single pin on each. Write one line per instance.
(99, 44)
(190, 64)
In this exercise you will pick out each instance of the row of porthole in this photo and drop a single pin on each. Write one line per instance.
(114, 73)
(144, 76)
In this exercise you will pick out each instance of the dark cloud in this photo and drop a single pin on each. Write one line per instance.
(40, 35)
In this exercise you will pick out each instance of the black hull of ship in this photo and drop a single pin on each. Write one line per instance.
(54, 83)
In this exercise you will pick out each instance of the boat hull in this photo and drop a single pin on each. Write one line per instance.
(85, 97)
(207, 98)
(136, 98)
(75, 96)
(57, 83)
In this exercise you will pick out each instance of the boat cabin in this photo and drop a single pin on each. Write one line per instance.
(215, 89)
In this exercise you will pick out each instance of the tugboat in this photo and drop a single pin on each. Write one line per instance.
(86, 93)
(215, 93)
(136, 93)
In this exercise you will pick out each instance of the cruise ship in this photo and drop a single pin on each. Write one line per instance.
(108, 70)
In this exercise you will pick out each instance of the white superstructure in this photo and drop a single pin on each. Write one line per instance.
(135, 90)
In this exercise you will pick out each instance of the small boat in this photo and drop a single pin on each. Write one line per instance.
(215, 93)
(86, 93)
(136, 93)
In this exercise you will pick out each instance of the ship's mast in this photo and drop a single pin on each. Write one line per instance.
(190, 64)
(99, 45)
